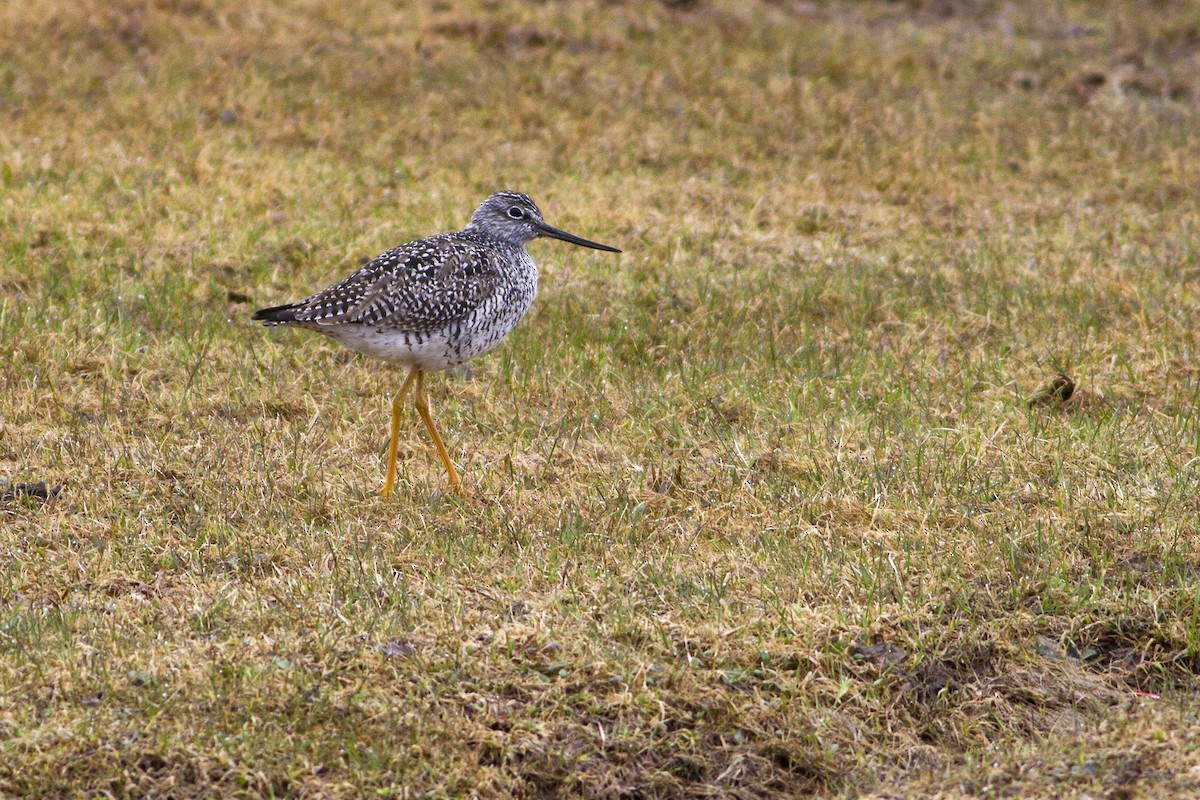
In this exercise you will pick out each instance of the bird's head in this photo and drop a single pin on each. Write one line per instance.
(513, 217)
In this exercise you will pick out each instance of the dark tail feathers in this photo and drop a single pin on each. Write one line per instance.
(284, 313)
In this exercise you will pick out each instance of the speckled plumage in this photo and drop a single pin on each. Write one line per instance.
(436, 302)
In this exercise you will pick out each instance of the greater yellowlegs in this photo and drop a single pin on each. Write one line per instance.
(434, 303)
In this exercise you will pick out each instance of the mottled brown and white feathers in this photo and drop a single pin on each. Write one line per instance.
(418, 286)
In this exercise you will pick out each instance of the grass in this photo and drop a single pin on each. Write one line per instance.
(758, 508)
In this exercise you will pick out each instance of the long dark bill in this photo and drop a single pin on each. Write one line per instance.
(556, 233)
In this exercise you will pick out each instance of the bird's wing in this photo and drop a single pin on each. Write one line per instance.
(419, 286)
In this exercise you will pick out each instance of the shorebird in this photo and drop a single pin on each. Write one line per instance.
(434, 303)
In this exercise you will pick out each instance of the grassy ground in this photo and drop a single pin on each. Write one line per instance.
(759, 508)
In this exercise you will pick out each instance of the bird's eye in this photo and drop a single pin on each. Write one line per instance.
(516, 213)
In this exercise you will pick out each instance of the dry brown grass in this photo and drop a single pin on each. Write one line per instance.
(759, 509)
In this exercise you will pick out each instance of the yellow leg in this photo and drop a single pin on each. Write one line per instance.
(422, 403)
(389, 483)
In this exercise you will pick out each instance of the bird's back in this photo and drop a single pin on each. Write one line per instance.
(435, 302)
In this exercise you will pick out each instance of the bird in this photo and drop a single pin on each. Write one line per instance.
(434, 303)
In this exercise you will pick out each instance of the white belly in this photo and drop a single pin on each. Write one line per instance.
(428, 351)
(431, 350)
